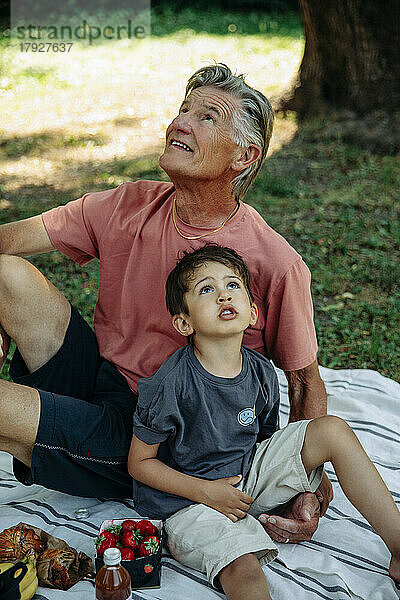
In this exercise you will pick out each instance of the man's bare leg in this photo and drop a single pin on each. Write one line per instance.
(243, 578)
(19, 420)
(32, 311)
(36, 316)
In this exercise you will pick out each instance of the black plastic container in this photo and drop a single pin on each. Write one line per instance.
(145, 572)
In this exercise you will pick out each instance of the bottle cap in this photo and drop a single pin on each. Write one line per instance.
(112, 556)
(81, 513)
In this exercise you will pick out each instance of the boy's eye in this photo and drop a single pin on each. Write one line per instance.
(208, 118)
(233, 285)
(206, 289)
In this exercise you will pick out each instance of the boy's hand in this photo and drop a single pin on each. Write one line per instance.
(221, 495)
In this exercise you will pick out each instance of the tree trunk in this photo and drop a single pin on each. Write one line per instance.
(352, 55)
(351, 65)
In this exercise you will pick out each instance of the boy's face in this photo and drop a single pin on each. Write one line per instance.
(218, 303)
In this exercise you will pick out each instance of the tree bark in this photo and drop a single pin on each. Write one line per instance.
(352, 56)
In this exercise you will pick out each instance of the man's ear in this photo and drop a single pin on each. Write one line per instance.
(254, 314)
(246, 157)
(182, 324)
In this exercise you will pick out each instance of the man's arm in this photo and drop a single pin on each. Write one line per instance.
(24, 238)
(307, 394)
(219, 494)
(308, 400)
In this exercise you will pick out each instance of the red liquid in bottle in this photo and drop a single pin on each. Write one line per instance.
(113, 581)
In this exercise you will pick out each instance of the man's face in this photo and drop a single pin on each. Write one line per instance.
(199, 140)
(218, 303)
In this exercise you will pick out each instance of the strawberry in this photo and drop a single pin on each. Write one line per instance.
(105, 540)
(128, 524)
(130, 539)
(148, 568)
(115, 529)
(127, 554)
(149, 545)
(146, 528)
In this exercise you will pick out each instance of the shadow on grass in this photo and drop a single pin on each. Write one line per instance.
(39, 143)
(28, 200)
(77, 179)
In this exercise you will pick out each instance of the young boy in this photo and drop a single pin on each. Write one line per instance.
(211, 412)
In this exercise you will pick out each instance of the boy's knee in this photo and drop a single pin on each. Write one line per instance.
(246, 568)
(330, 425)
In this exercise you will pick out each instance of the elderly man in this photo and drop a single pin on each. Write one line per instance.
(67, 417)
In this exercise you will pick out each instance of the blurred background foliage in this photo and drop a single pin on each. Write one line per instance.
(95, 117)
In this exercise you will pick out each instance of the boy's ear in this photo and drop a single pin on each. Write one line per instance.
(254, 314)
(182, 324)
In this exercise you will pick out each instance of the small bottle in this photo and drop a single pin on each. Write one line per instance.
(113, 581)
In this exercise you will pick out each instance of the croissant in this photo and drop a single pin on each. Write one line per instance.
(17, 543)
(58, 562)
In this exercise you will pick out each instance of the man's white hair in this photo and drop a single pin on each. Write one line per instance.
(252, 123)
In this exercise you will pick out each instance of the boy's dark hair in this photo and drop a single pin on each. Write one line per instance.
(177, 282)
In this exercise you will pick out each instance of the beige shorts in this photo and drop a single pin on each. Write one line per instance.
(206, 540)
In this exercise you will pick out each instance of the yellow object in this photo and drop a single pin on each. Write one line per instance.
(29, 584)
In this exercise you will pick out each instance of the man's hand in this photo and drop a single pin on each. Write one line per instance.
(298, 523)
(221, 495)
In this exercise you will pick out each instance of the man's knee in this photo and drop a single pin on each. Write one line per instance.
(33, 312)
(25, 291)
(15, 274)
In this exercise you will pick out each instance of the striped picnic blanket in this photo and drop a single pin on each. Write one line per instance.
(344, 560)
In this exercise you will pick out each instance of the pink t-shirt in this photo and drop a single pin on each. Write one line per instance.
(130, 229)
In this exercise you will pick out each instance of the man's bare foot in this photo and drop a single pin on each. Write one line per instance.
(394, 568)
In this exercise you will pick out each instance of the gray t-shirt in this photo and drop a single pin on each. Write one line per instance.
(206, 426)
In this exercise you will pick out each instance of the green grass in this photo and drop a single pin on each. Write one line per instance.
(339, 207)
(96, 118)
(217, 22)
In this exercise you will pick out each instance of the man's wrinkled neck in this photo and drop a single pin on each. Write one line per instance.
(204, 204)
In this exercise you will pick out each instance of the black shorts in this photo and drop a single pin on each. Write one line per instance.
(85, 426)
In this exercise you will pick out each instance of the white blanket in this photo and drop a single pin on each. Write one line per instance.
(344, 560)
